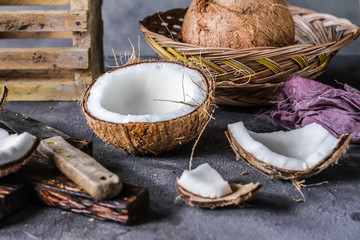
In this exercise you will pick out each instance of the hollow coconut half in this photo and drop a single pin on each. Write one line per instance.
(149, 107)
(15, 149)
(288, 155)
(205, 188)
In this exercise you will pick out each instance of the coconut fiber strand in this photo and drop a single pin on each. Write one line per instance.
(303, 101)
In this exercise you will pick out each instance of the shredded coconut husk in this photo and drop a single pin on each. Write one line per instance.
(153, 137)
(275, 172)
(238, 24)
(240, 193)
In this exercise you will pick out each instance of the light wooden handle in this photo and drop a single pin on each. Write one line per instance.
(84, 170)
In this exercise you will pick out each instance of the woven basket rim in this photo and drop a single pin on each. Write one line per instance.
(352, 27)
(253, 76)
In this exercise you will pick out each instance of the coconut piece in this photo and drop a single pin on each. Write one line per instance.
(205, 182)
(149, 107)
(15, 150)
(238, 24)
(289, 155)
(204, 187)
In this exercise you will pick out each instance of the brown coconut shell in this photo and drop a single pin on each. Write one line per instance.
(238, 24)
(3, 96)
(153, 138)
(14, 165)
(240, 193)
(279, 173)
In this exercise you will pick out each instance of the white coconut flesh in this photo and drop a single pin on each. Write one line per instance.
(14, 146)
(296, 150)
(204, 181)
(147, 92)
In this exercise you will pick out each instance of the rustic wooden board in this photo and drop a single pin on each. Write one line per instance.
(81, 63)
(38, 90)
(126, 208)
(20, 35)
(43, 21)
(14, 194)
(35, 2)
(41, 85)
(44, 58)
(90, 39)
(56, 190)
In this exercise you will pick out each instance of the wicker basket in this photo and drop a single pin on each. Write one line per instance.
(249, 77)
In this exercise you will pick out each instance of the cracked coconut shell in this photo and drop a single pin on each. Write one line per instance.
(240, 193)
(238, 24)
(151, 134)
(272, 171)
(8, 163)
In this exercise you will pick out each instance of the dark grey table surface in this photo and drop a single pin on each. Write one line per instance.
(331, 211)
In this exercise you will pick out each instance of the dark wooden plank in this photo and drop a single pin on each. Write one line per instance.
(56, 190)
(131, 204)
(14, 194)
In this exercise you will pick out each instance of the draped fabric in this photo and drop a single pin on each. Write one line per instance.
(303, 101)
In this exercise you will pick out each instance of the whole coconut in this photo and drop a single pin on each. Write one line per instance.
(238, 24)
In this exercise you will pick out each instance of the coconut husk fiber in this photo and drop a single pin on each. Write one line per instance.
(238, 24)
(303, 101)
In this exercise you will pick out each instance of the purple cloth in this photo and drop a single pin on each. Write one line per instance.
(303, 101)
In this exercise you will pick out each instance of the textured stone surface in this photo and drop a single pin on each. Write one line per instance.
(330, 212)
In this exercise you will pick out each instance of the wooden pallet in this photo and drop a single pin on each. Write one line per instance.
(52, 73)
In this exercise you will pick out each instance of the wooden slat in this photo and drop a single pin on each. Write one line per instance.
(80, 4)
(44, 58)
(22, 35)
(42, 75)
(35, 2)
(91, 39)
(39, 90)
(43, 21)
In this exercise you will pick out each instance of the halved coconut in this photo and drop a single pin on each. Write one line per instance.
(204, 187)
(149, 107)
(289, 155)
(15, 149)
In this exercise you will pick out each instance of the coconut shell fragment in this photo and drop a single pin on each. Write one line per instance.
(14, 153)
(285, 174)
(14, 165)
(240, 194)
(3, 96)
